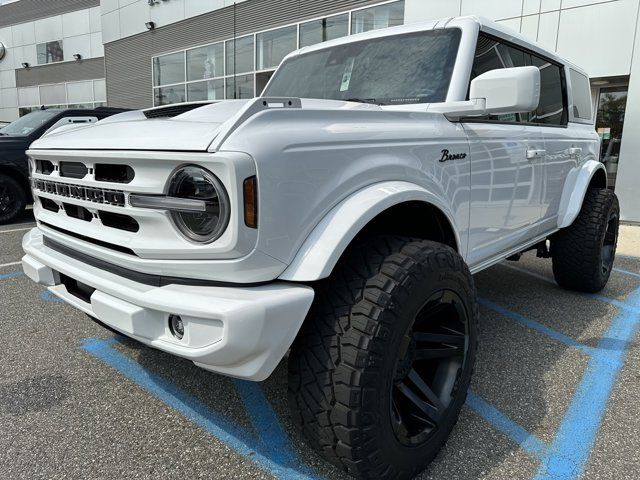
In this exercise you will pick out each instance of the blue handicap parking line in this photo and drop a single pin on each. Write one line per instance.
(533, 325)
(626, 272)
(277, 458)
(47, 296)
(567, 455)
(4, 276)
(527, 441)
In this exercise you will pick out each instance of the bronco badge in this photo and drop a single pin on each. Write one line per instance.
(451, 156)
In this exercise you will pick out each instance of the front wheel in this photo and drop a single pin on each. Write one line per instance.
(583, 252)
(382, 365)
(13, 199)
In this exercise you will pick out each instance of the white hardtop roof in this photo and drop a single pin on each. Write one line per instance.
(484, 24)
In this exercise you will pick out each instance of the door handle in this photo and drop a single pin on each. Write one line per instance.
(531, 154)
(575, 152)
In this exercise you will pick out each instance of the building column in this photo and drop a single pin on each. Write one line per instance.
(628, 178)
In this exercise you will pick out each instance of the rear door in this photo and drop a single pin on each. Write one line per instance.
(562, 151)
(507, 163)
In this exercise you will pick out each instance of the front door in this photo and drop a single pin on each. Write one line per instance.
(507, 167)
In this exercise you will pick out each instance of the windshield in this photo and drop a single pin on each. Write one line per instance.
(27, 124)
(400, 69)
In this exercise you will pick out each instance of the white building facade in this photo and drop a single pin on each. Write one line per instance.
(154, 52)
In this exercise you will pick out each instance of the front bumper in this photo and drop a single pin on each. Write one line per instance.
(242, 332)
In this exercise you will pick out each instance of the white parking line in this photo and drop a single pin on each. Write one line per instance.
(17, 229)
(10, 264)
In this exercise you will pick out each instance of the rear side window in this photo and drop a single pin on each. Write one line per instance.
(581, 95)
(492, 54)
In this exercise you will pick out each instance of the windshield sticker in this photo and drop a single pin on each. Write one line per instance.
(346, 76)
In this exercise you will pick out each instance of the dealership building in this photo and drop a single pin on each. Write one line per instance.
(141, 53)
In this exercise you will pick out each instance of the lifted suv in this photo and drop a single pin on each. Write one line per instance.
(15, 139)
(340, 216)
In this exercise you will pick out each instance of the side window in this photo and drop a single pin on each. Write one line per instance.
(491, 55)
(581, 95)
(551, 109)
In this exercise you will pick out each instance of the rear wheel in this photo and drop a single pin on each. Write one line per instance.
(583, 253)
(381, 368)
(13, 199)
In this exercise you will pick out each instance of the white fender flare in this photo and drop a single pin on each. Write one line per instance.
(326, 243)
(575, 188)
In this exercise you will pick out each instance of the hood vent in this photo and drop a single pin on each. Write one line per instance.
(173, 110)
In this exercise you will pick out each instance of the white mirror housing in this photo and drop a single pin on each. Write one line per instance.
(508, 90)
(501, 91)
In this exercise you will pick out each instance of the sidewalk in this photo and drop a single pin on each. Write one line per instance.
(629, 240)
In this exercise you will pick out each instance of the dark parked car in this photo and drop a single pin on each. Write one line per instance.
(15, 139)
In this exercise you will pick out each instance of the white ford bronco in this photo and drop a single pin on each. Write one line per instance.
(338, 217)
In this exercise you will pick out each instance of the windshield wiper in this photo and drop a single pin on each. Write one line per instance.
(372, 101)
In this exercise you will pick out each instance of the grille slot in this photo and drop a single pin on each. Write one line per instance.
(78, 212)
(105, 172)
(99, 243)
(44, 167)
(72, 169)
(121, 222)
(50, 205)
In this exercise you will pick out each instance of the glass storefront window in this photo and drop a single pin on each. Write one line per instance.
(168, 69)
(273, 46)
(208, 90)
(53, 94)
(612, 104)
(252, 58)
(243, 86)
(50, 52)
(243, 59)
(166, 95)
(324, 29)
(382, 16)
(205, 62)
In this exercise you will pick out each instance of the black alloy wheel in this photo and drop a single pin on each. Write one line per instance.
(429, 365)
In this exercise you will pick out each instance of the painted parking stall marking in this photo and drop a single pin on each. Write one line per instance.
(566, 457)
(270, 449)
(269, 446)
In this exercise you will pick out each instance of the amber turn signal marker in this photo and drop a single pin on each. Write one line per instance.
(251, 202)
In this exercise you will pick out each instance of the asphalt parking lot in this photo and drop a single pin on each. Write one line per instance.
(556, 393)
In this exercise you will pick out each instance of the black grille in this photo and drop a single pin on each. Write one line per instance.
(49, 205)
(114, 173)
(44, 166)
(78, 212)
(121, 222)
(72, 169)
(91, 194)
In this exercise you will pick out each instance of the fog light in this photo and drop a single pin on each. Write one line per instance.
(176, 326)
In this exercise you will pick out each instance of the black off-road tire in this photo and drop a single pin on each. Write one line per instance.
(583, 252)
(13, 199)
(343, 364)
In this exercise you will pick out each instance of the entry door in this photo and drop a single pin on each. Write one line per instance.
(507, 164)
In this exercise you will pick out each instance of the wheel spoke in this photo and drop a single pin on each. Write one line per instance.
(425, 389)
(456, 340)
(427, 409)
(431, 353)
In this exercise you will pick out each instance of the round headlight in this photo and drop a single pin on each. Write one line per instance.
(196, 183)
